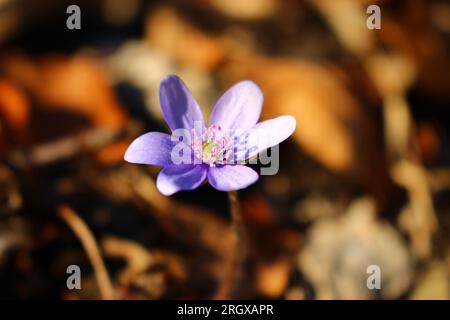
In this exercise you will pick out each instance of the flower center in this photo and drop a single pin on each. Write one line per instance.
(212, 146)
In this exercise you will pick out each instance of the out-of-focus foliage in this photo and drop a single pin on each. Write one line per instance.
(364, 179)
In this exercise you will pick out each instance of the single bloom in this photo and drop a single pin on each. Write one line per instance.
(215, 152)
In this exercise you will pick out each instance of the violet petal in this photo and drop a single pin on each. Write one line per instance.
(179, 107)
(231, 177)
(264, 135)
(180, 177)
(239, 107)
(151, 148)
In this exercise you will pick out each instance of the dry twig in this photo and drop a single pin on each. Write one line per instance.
(90, 246)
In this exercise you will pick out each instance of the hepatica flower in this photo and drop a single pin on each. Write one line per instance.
(216, 152)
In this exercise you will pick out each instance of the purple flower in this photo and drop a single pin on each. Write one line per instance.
(216, 152)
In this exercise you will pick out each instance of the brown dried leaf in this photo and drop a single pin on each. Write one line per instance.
(77, 84)
(273, 278)
(339, 250)
(410, 31)
(434, 284)
(332, 126)
(247, 10)
(14, 113)
(183, 42)
(14, 106)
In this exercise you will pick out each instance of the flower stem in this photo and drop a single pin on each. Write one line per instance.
(229, 286)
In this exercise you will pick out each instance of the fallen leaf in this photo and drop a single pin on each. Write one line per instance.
(332, 126)
(434, 284)
(339, 250)
(183, 42)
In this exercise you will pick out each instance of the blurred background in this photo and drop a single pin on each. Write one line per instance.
(364, 180)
